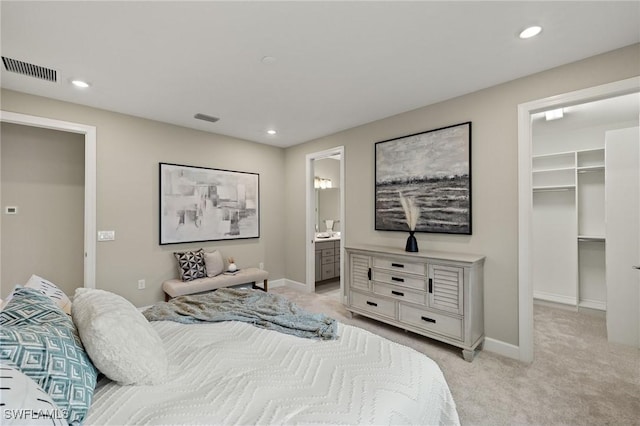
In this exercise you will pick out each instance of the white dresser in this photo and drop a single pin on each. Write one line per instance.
(436, 294)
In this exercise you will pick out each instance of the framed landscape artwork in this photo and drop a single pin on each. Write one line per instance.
(203, 204)
(433, 170)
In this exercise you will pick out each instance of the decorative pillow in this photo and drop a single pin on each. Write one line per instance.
(24, 402)
(213, 263)
(30, 306)
(47, 349)
(119, 339)
(51, 290)
(191, 264)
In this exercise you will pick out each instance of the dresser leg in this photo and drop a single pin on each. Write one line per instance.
(468, 355)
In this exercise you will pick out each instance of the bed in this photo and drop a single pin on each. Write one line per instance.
(235, 373)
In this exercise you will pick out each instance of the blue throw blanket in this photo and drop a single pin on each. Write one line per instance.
(265, 310)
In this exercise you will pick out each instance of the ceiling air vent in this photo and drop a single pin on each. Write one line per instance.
(205, 117)
(30, 70)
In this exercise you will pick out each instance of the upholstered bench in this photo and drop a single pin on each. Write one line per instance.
(177, 287)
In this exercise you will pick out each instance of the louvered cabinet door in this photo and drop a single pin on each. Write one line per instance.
(359, 271)
(446, 285)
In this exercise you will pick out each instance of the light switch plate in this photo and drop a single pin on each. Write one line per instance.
(106, 235)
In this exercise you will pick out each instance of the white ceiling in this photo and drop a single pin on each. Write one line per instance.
(337, 64)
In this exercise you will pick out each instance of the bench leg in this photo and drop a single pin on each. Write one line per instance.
(265, 288)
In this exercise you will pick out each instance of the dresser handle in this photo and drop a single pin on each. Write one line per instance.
(397, 265)
(369, 274)
(400, 280)
(397, 293)
(372, 303)
(427, 319)
(430, 285)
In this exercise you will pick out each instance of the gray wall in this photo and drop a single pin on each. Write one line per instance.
(128, 152)
(42, 175)
(130, 148)
(493, 112)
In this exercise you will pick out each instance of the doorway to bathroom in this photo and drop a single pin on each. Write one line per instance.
(325, 222)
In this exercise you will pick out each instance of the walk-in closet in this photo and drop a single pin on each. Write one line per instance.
(572, 185)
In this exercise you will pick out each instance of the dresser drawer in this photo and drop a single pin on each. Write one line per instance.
(321, 245)
(403, 280)
(328, 252)
(328, 259)
(373, 304)
(400, 293)
(428, 320)
(328, 271)
(399, 265)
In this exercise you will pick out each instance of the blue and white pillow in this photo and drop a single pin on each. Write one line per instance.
(41, 341)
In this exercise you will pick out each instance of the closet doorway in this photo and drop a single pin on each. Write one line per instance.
(89, 134)
(565, 253)
(325, 222)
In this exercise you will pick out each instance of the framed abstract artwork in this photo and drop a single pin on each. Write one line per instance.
(432, 170)
(203, 204)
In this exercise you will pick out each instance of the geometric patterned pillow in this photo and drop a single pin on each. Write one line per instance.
(30, 306)
(191, 264)
(51, 354)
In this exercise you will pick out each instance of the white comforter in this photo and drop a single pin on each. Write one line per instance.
(234, 373)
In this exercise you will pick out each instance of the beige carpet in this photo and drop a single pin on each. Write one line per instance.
(577, 377)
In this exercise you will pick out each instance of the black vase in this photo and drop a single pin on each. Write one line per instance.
(412, 243)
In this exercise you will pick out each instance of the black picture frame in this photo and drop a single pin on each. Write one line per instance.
(199, 204)
(434, 169)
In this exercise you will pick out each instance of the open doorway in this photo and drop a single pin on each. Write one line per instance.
(89, 133)
(554, 182)
(325, 222)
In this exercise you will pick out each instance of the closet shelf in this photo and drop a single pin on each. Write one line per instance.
(554, 188)
(585, 169)
(553, 169)
(591, 238)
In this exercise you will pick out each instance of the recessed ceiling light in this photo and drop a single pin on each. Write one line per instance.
(530, 32)
(79, 83)
(271, 132)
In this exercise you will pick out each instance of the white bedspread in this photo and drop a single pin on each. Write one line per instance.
(234, 373)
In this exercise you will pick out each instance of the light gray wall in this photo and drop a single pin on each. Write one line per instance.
(493, 112)
(42, 175)
(128, 152)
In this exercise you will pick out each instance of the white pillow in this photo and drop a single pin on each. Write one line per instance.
(118, 338)
(213, 263)
(24, 402)
(50, 289)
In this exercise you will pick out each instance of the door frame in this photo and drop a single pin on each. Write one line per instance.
(89, 133)
(525, 194)
(311, 218)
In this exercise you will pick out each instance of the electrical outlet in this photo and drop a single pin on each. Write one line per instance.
(261, 266)
(141, 284)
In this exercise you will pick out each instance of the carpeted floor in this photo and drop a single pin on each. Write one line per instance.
(577, 377)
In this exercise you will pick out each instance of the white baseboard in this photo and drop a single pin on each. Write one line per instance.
(593, 304)
(501, 348)
(277, 283)
(295, 284)
(556, 298)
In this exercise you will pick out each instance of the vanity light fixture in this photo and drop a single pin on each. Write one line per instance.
(554, 114)
(321, 183)
(80, 83)
(531, 31)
